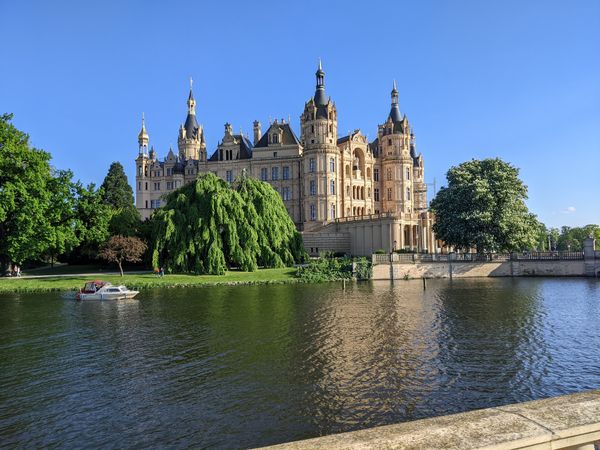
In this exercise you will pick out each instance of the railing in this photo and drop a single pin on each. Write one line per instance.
(476, 257)
(548, 256)
(567, 422)
(399, 215)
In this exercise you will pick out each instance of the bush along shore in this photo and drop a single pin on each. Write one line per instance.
(328, 268)
(319, 270)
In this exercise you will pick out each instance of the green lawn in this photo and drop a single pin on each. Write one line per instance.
(142, 281)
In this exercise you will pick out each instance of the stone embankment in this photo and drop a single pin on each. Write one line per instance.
(560, 264)
(567, 422)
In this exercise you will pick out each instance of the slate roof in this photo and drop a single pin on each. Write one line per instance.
(343, 139)
(395, 114)
(245, 148)
(191, 125)
(375, 147)
(288, 137)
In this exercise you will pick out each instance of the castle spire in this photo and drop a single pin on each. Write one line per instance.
(320, 97)
(395, 111)
(143, 137)
(191, 102)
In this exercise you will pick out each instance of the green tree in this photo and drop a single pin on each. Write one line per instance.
(94, 217)
(34, 201)
(117, 193)
(208, 225)
(571, 238)
(116, 189)
(62, 228)
(483, 207)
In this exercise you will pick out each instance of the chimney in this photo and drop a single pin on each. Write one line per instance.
(257, 132)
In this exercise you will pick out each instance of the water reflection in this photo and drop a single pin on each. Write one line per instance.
(248, 366)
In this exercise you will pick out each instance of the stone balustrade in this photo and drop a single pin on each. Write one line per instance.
(567, 422)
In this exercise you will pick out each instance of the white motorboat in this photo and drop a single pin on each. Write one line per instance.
(101, 290)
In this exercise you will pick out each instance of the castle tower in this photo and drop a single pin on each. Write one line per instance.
(191, 142)
(142, 161)
(143, 138)
(321, 156)
(396, 161)
(257, 132)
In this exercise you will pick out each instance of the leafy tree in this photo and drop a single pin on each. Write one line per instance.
(116, 189)
(61, 233)
(34, 201)
(94, 217)
(571, 238)
(120, 249)
(209, 225)
(483, 206)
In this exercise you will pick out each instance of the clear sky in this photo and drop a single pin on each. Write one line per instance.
(515, 79)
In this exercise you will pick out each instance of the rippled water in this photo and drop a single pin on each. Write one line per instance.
(248, 366)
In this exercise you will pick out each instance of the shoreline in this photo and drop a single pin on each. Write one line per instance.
(138, 281)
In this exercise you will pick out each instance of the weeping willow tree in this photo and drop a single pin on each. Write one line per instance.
(208, 226)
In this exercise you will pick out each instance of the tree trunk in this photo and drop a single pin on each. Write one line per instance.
(120, 267)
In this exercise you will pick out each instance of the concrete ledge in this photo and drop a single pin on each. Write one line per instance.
(555, 423)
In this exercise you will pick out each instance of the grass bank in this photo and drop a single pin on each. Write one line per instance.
(146, 281)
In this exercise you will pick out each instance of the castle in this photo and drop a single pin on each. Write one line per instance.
(331, 186)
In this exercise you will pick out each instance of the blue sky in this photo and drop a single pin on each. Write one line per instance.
(516, 79)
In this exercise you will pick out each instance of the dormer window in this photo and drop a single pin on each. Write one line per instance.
(274, 138)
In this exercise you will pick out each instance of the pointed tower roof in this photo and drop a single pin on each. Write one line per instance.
(191, 124)
(320, 97)
(143, 135)
(395, 115)
(191, 96)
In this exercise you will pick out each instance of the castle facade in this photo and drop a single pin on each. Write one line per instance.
(323, 179)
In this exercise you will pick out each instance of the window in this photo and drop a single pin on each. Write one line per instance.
(285, 193)
(169, 171)
(169, 185)
(264, 174)
(146, 188)
(139, 185)
(389, 142)
(348, 190)
(140, 171)
(274, 173)
(313, 212)
(274, 154)
(407, 193)
(332, 211)
(154, 204)
(332, 187)
(274, 138)
(408, 173)
(313, 187)
(389, 193)
(332, 164)
(229, 176)
(376, 194)
(157, 186)
(330, 128)
(286, 173)
(146, 204)
(312, 129)
(369, 192)
(389, 174)
(312, 165)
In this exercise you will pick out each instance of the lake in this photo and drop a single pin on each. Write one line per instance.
(244, 366)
